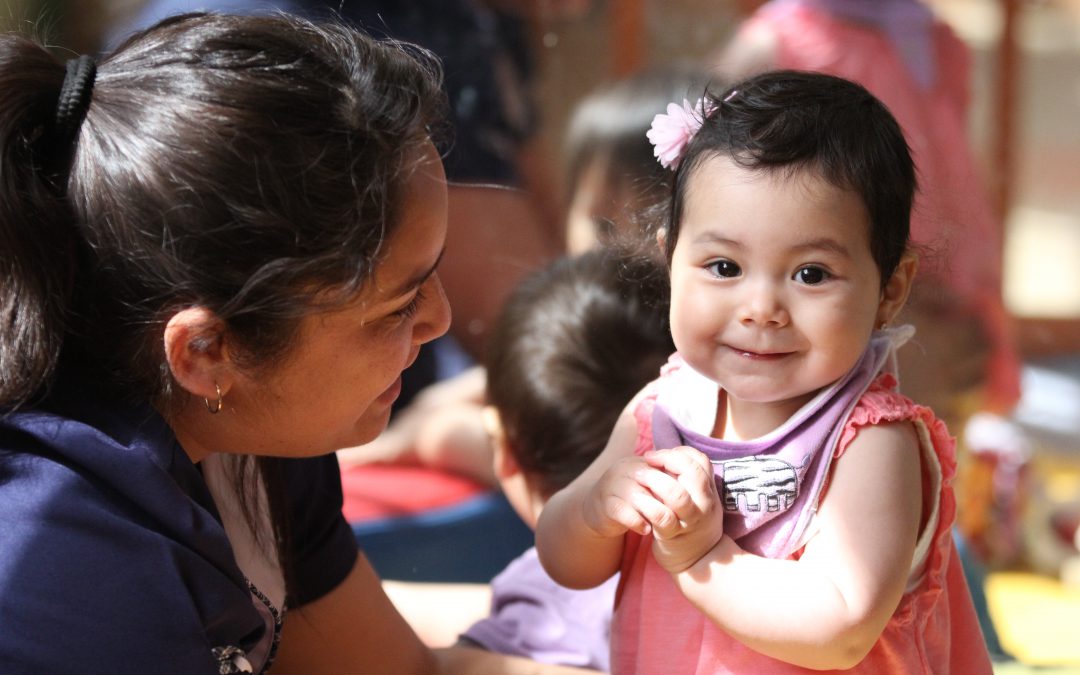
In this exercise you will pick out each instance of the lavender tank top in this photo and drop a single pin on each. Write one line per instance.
(770, 485)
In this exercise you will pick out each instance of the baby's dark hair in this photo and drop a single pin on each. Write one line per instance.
(789, 121)
(571, 347)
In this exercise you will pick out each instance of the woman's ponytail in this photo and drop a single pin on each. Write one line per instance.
(37, 229)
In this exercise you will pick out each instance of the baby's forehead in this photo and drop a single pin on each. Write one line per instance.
(807, 180)
(727, 199)
(745, 165)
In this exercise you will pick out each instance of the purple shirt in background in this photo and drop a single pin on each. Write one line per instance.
(534, 617)
(909, 25)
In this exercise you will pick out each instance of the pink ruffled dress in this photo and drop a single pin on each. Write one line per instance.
(655, 630)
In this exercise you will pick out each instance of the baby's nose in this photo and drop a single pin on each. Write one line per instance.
(763, 305)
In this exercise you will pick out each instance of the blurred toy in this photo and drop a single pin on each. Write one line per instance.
(995, 489)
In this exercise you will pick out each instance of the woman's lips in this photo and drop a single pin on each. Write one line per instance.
(394, 390)
(391, 393)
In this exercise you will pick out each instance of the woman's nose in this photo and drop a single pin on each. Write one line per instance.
(433, 319)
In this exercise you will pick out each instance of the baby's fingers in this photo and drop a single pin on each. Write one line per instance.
(663, 521)
(628, 515)
(680, 460)
(613, 513)
(664, 502)
(694, 473)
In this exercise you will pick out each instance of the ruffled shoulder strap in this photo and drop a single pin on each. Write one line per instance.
(882, 403)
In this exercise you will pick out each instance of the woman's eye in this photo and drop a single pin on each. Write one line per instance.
(409, 310)
(811, 276)
(724, 268)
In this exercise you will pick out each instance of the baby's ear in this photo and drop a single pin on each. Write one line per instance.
(504, 463)
(896, 291)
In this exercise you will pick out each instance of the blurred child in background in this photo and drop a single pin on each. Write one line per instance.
(572, 346)
(613, 179)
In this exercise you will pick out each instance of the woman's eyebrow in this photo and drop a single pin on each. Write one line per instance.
(417, 279)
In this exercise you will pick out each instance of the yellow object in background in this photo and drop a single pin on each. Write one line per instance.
(1037, 619)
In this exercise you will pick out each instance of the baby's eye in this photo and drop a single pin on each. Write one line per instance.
(724, 268)
(811, 275)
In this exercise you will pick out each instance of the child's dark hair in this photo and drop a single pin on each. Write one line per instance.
(609, 126)
(790, 121)
(246, 164)
(571, 347)
(613, 118)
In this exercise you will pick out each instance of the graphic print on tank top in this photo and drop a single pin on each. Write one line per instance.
(770, 485)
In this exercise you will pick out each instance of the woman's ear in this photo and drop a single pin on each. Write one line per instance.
(897, 289)
(196, 353)
(661, 238)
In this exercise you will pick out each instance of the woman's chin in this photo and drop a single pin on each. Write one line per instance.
(371, 426)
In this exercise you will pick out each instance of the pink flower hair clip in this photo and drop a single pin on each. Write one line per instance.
(671, 132)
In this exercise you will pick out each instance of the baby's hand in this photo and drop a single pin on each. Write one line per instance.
(692, 520)
(619, 502)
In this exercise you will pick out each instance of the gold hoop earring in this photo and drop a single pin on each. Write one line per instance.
(217, 407)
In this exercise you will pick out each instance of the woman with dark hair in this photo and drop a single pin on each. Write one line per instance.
(218, 252)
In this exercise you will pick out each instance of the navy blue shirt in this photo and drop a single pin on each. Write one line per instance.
(112, 554)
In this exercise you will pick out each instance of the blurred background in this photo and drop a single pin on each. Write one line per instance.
(1023, 504)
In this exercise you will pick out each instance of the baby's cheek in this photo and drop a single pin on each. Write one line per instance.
(681, 338)
(696, 321)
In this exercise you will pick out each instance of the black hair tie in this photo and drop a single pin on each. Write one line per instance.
(75, 94)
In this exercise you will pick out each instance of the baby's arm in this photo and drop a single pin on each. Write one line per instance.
(827, 609)
(581, 551)
(671, 493)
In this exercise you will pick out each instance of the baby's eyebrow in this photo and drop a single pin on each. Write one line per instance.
(822, 244)
(714, 238)
(815, 244)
